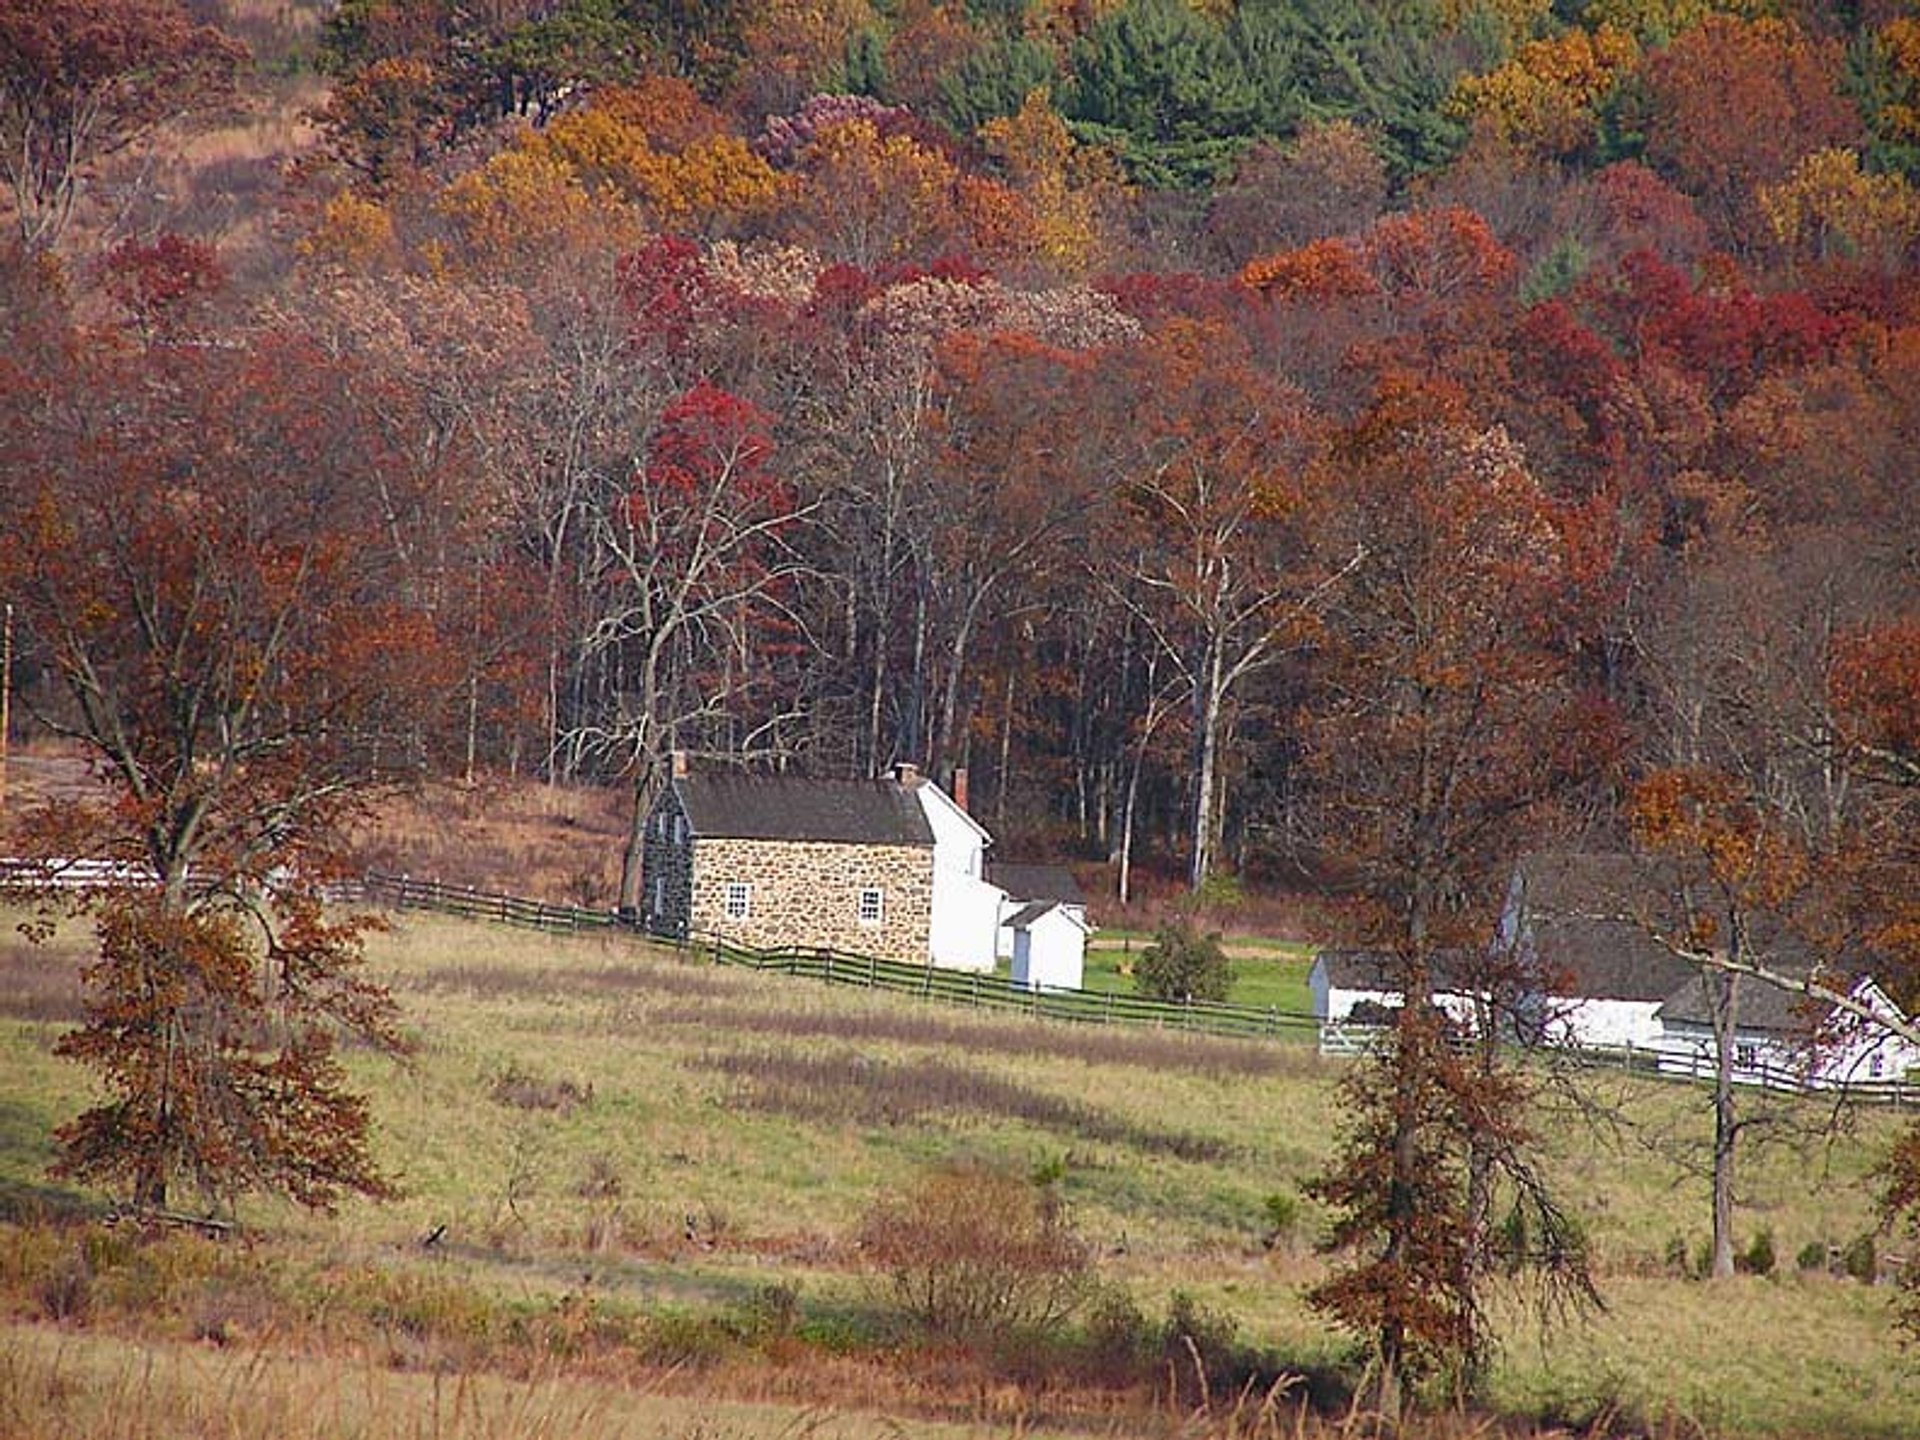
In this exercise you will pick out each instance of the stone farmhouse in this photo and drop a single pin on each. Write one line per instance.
(891, 868)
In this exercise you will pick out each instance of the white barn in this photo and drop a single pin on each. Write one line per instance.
(1600, 977)
(1784, 1040)
(1362, 987)
(1024, 883)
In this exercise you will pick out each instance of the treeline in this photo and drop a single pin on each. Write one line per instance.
(1072, 393)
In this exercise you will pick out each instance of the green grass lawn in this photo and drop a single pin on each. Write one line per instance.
(677, 1136)
(1269, 974)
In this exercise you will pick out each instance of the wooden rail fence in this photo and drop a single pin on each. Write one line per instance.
(959, 987)
(954, 987)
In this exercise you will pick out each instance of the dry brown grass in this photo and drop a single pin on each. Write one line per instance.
(555, 843)
(851, 1086)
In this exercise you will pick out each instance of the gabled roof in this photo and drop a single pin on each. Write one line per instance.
(1028, 915)
(930, 794)
(738, 806)
(1024, 881)
(1583, 914)
(1772, 1010)
(1762, 1007)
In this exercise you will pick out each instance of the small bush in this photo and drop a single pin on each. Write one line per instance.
(1119, 1338)
(974, 1254)
(1812, 1256)
(1861, 1260)
(771, 1313)
(1759, 1258)
(1184, 964)
(1198, 1349)
(1676, 1257)
(1283, 1218)
(65, 1289)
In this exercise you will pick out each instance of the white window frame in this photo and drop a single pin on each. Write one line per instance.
(679, 829)
(1746, 1055)
(737, 900)
(879, 907)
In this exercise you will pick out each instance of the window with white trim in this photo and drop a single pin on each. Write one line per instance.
(1746, 1057)
(739, 900)
(872, 906)
(679, 829)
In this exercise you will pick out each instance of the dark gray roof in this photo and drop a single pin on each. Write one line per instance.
(1027, 914)
(1762, 1007)
(1383, 970)
(1023, 881)
(791, 807)
(1588, 916)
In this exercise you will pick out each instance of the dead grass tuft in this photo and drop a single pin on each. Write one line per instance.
(1153, 1050)
(39, 986)
(855, 1087)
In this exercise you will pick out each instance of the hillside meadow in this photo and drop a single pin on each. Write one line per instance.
(632, 1187)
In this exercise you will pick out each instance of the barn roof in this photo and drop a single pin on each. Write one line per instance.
(1583, 912)
(1383, 970)
(792, 807)
(1025, 881)
(1762, 1007)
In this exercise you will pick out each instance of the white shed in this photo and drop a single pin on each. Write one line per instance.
(1049, 946)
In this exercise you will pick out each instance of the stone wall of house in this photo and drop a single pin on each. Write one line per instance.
(803, 892)
(666, 869)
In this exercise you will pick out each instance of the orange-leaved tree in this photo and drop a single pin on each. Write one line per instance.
(1446, 729)
(205, 567)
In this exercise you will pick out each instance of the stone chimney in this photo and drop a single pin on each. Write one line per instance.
(906, 774)
(960, 787)
(678, 759)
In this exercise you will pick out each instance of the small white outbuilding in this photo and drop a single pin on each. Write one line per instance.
(1049, 946)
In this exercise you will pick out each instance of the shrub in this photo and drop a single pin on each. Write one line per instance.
(1119, 1338)
(1676, 1256)
(65, 1290)
(524, 1090)
(1812, 1256)
(1198, 1350)
(1860, 1259)
(1184, 964)
(1283, 1218)
(973, 1253)
(1759, 1258)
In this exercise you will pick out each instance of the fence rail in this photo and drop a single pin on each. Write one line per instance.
(955, 987)
(403, 892)
(972, 989)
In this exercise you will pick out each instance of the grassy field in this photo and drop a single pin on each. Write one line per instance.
(1271, 974)
(628, 1162)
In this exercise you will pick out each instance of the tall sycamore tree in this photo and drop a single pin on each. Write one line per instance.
(202, 558)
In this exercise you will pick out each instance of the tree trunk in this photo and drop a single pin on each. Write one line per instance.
(1206, 739)
(1723, 1006)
